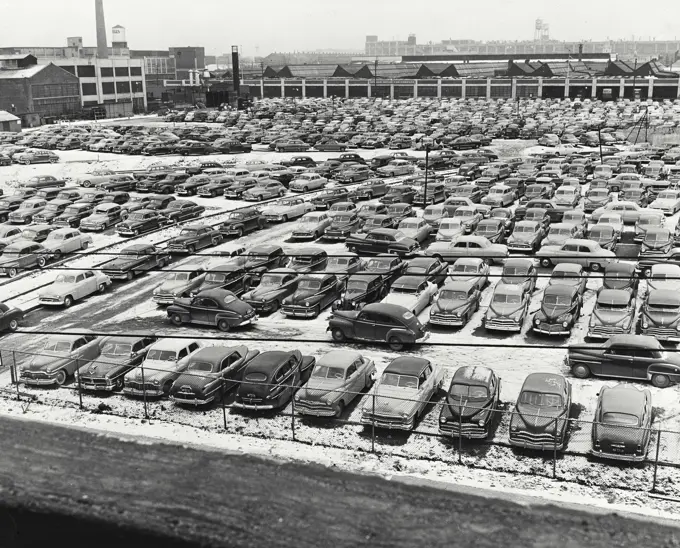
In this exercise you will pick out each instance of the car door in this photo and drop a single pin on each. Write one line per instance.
(354, 381)
(365, 326)
(230, 370)
(89, 284)
(203, 310)
(618, 362)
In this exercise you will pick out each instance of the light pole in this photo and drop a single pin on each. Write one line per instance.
(375, 77)
(427, 169)
(599, 138)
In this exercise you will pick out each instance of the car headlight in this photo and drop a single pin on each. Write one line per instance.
(565, 324)
(481, 422)
(306, 303)
(537, 321)
(157, 291)
(405, 415)
(443, 419)
(156, 382)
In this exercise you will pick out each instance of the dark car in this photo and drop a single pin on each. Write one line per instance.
(271, 379)
(540, 418)
(169, 184)
(242, 221)
(193, 184)
(378, 322)
(230, 276)
(362, 288)
(636, 357)
(372, 188)
(493, 229)
(399, 194)
(194, 147)
(620, 275)
(159, 202)
(308, 259)
(622, 428)
(314, 292)
(53, 209)
(235, 190)
(274, 287)
(342, 225)
(217, 186)
(182, 210)
(456, 302)
(119, 197)
(119, 183)
(214, 307)
(327, 198)
(261, 258)
(211, 373)
(660, 315)
(143, 220)
(378, 221)
(555, 215)
(369, 210)
(9, 317)
(472, 402)
(119, 355)
(134, 260)
(383, 240)
(232, 147)
(194, 237)
(73, 214)
(388, 266)
(560, 309)
(432, 269)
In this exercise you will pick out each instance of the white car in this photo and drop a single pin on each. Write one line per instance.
(667, 201)
(307, 181)
(412, 292)
(287, 209)
(663, 276)
(66, 240)
(92, 179)
(312, 225)
(8, 234)
(450, 229)
(73, 286)
(396, 168)
(612, 219)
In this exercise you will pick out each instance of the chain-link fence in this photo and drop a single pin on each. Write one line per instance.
(401, 418)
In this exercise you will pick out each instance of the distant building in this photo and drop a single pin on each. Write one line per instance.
(9, 122)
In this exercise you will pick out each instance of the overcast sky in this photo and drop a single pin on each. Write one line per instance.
(264, 26)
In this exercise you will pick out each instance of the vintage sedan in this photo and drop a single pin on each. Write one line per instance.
(140, 221)
(261, 258)
(342, 225)
(604, 235)
(520, 272)
(376, 222)
(179, 283)
(194, 237)
(9, 234)
(389, 266)
(311, 226)
(416, 228)
(660, 315)
(314, 292)
(468, 246)
(412, 292)
(580, 251)
(622, 428)
(526, 237)
(396, 168)
(336, 380)
(506, 215)
(361, 289)
(274, 287)
(181, 210)
(456, 302)
(211, 373)
(430, 269)
(134, 260)
(242, 221)
(73, 286)
(307, 181)
(648, 219)
(630, 212)
(493, 229)
(668, 202)
(231, 276)
(94, 178)
(119, 355)
(499, 196)
(622, 276)
(382, 240)
(403, 392)
(327, 198)
(611, 219)
(103, 216)
(399, 194)
(271, 379)
(656, 243)
(472, 403)
(560, 309)
(25, 213)
(614, 314)
(287, 209)
(541, 416)
(570, 274)
(73, 214)
(215, 307)
(264, 191)
(238, 188)
(469, 218)
(372, 188)
(508, 308)
(567, 197)
(450, 230)
(60, 357)
(596, 198)
(559, 233)
(663, 275)
(10, 317)
(165, 361)
(471, 193)
(52, 210)
(66, 240)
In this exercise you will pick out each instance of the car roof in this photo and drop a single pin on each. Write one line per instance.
(508, 289)
(560, 290)
(264, 248)
(519, 263)
(339, 358)
(212, 353)
(64, 230)
(459, 285)
(569, 268)
(579, 241)
(665, 269)
(386, 308)
(421, 261)
(408, 281)
(614, 296)
(468, 261)
(263, 362)
(663, 296)
(550, 383)
(305, 251)
(619, 267)
(658, 230)
(473, 374)
(217, 293)
(407, 365)
(388, 231)
(622, 399)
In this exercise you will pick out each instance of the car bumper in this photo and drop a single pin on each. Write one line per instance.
(336, 236)
(551, 329)
(164, 299)
(626, 457)
(38, 379)
(302, 236)
(315, 409)
(191, 399)
(389, 423)
(662, 334)
(502, 325)
(138, 392)
(254, 406)
(466, 430)
(603, 332)
(538, 445)
(51, 301)
(299, 312)
(106, 386)
(456, 321)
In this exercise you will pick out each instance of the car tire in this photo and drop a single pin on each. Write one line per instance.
(61, 377)
(13, 325)
(167, 386)
(395, 344)
(87, 184)
(12, 272)
(338, 335)
(647, 272)
(223, 325)
(84, 245)
(340, 410)
(284, 218)
(215, 241)
(239, 233)
(661, 381)
(595, 267)
(581, 371)
(260, 198)
(275, 307)
(135, 233)
(42, 262)
(546, 263)
(176, 319)
(102, 288)
(191, 249)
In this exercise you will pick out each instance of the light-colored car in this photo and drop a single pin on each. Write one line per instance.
(94, 178)
(312, 225)
(8, 234)
(468, 246)
(414, 293)
(450, 229)
(27, 210)
(613, 314)
(559, 233)
(470, 269)
(396, 168)
(307, 181)
(499, 196)
(663, 276)
(166, 360)
(405, 388)
(104, 216)
(667, 201)
(612, 219)
(287, 209)
(567, 197)
(264, 191)
(179, 283)
(35, 157)
(596, 198)
(66, 240)
(72, 286)
(337, 378)
(630, 211)
(416, 228)
(587, 253)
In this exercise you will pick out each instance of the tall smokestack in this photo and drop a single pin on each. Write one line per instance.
(236, 71)
(102, 48)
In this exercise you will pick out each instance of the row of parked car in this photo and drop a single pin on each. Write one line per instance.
(192, 374)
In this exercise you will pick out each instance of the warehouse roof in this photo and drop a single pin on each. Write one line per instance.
(12, 74)
(7, 117)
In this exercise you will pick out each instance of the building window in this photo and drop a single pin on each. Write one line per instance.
(72, 70)
(137, 87)
(86, 71)
(89, 89)
(135, 71)
(56, 107)
(122, 71)
(108, 88)
(55, 90)
(90, 103)
(107, 72)
(123, 87)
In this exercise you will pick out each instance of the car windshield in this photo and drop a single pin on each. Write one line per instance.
(178, 277)
(663, 306)
(450, 225)
(649, 221)
(57, 346)
(188, 232)
(216, 277)
(117, 349)
(511, 274)
(272, 280)
(527, 229)
(658, 237)
(29, 234)
(667, 196)
(402, 381)
(255, 377)
(136, 217)
(556, 300)
(623, 419)
(406, 289)
(504, 298)
(309, 284)
(343, 218)
(325, 372)
(52, 207)
(538, 399)
(65, 279)
(338, 261)
(601, 232)
(464, 213)
(161, 355)
(451, 295)
(563, 231)
(466, 268)
(611, 306)
(598, 193)
(204, 367)
(469, 392)
(235, 215)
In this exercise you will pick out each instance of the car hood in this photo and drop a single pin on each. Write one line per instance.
(505, 309)
(393, 400)
(193, 381)
(537, 419)
(552, 311)
(171, 285)
(522, 237)
(43, 363)
(95, 218)
(610, 317)
(104, 365)
(466, 409)
(57, 290)
(596, 199)
(663, 318)
(402, 299)
(277, 210)
(451, 305)
(261, 293)
(317, 388)
(661, 202)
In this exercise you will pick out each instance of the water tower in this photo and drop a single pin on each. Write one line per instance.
(118, 38)
(541, 31)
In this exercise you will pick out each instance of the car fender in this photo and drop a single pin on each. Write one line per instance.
(664, 369)
(401, 334)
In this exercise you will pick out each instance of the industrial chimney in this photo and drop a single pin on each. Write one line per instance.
(102, 48)
(236, 70)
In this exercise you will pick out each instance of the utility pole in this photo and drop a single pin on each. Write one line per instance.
(375, 77)
(427, 169)
(599, 138)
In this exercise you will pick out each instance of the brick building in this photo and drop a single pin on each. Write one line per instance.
(38, 92)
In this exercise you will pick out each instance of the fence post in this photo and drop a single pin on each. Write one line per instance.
(460, 437)
(224, 411)
(16, 374)
(80, 386)
(292, 415)
(656, 459)
(146, 409)
(373, 426)
(554, 474)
